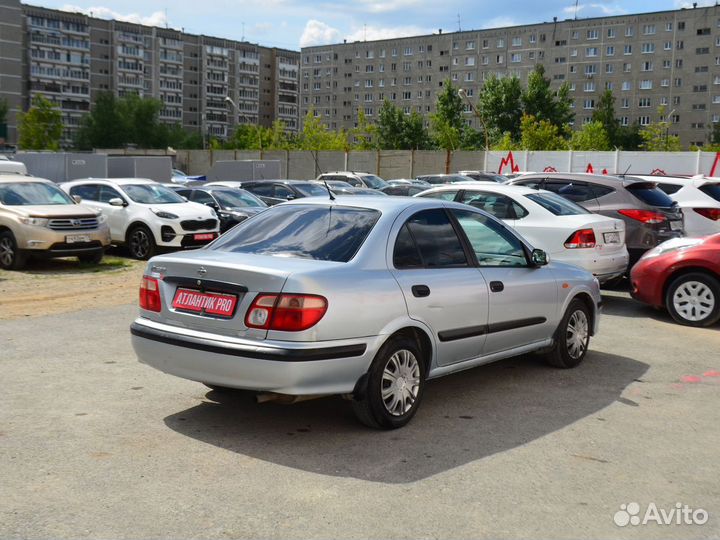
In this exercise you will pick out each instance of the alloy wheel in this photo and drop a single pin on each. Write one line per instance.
(140, 244)
(400, 382)
(577, 334)
(693, 301)
(7, 252)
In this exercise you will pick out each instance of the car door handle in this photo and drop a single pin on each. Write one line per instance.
(420, 291)
(497, 286)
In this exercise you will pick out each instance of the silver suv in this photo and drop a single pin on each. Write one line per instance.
(356, 179)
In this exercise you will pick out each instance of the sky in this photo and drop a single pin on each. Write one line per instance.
(292, 24)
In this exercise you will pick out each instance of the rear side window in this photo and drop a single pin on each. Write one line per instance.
(601, 191)
(437, 242)
(574, 191)
(712, 190)
(87, 192)
(532, 184)
(649, 193)
(500, 206)
(406, 254)
(266, 190)
(669, 189)
(446, 195)
(307, 232)
(556, 204)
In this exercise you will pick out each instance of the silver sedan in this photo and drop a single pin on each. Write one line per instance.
(367, 297)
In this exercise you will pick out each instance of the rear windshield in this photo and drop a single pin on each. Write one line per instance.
(649, 193)
(303, 231)
(556, 204)
(31, 193)
(712, 190)
(373, 181)
(312, 190)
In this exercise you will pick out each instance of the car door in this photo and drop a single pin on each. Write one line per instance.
(442, 288)
(522, 297)
(117, 215)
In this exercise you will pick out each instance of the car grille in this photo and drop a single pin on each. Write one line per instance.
(198, 225)
(73, 224)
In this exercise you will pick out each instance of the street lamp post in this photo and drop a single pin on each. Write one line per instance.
(667, 127)
(229, 100)
(463, 94)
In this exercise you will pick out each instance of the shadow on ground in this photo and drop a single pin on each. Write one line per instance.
(464, 417)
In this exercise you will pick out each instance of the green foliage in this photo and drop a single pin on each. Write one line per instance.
(628, 137)
(592, 136)
(541, 135)
(4, 108)
(316, 136)
(715, 134)
(104, 127)
(447, 122)
(398, 131)
(540, 101)
(505, 142)
(363, 134)
(40, 127)
(605, 114)
(656, 136)
(415, 135)
(500, 105)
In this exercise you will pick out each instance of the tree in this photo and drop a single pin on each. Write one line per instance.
(447, 121)
(143, 117)
(40, 127)
(540, 101)
(505, 143)
(628, 137)
(104, 127)
(390, 127)
(605, 114)
(540, 135)
(592, 136)
(500, 106)
(414, 133)
(316, 136)
(656, 136)
(362, 134)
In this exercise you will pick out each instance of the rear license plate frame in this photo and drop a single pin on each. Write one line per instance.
(200, 305)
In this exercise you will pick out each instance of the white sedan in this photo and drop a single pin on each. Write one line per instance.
(566, 231)
(699, 198)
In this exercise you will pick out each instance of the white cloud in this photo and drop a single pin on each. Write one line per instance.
(385, 6)
(595, 9)
(500, 22)
(156, 18)
(318, 33)
(689, 4)
(372, 33)
(262, 28)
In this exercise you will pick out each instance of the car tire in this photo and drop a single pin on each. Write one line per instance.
(141, 243)
(392, 389)
(91, 258)
(11, 258)
(572, 337)
(694, 299)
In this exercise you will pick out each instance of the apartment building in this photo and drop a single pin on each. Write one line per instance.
(669, 58)
(71, 57)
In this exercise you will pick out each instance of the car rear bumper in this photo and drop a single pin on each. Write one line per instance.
(294, 368)
(604, 266)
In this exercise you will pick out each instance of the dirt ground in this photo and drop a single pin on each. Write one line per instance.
(64, 285)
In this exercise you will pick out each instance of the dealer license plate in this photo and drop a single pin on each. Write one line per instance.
(204, 236)
(205, 303)
(676, 225)
(76, 238)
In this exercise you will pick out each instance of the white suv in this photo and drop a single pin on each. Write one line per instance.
(355, 179)
(145, 215)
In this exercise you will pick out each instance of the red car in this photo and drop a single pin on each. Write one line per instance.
(682, 275)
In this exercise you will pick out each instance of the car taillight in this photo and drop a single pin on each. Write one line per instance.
(584, 238)
(646, 216)
(710, 213)
(285, 312)
(150, 294)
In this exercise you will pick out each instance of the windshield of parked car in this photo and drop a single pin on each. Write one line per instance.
(311, 190)
(304, 231)
(649, 193)
(235, 198)
(31, 193)
(151, 194)
(373, 181)
(556, 204)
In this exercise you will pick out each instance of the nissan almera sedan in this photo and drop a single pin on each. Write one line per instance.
(366, 297)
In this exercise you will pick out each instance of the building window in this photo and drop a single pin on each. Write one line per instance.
(588, 104)
(611, 33)
(647, 66)
(610, 51)
(500, 43)
(647, 48)
(644, 102)
(667, 46)
(648, 29)
(629, 31)
(626, 85)
(646, 84)
(668, 27)
(590, 69)
(592, 34)
(470, 46)
(591, 52)
(517, 42)
(625, 103)
(644, 120)
(627, 49)
(515, 58)
(609, 68)
(589, 86)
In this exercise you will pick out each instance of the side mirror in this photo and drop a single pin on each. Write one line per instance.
(539, 257)
(117, 201)
(212, 205)
(290, 197)
(77, 198)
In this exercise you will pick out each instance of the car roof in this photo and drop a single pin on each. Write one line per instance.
(347, 173)
(22, 178)
(487, 186)
(115, 181)
(382, 204)
(604, 179)
(278, 181)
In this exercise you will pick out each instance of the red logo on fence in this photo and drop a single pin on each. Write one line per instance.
(509, 160)
(715, 164)
(549, 169)
(658, 172)
(592, 171)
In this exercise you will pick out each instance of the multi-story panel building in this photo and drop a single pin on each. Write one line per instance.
(669, 59)
(70, 58)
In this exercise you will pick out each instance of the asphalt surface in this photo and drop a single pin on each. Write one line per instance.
(94, 444)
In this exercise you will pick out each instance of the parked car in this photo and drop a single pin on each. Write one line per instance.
(405, 190)
(411, 181)
(435, 179)
(682, 276)
(232, 206)
(272, 192)
(566, 231)
(481, 176)
(38, 219)
(366, 297)
(650, 216)
(332, 184)
(356, 191)
(698, 198)
(355, 179)
(146, 216)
